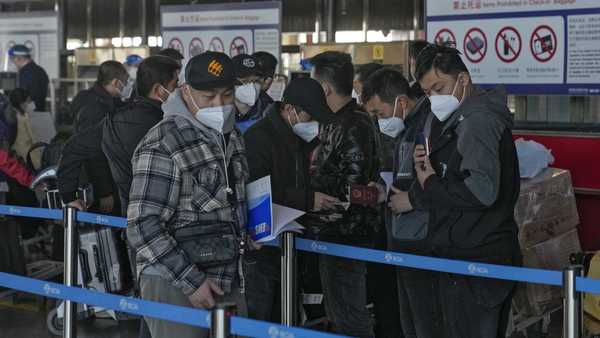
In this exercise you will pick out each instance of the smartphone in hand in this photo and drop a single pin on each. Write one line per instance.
(424, 141)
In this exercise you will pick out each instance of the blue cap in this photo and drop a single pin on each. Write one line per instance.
(19, 50)
(133, 59)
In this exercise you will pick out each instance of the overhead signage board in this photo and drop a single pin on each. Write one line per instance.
(533, 47)
(230, 28)
(36, 30)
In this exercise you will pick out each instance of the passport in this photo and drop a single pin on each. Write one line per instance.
(363, 195)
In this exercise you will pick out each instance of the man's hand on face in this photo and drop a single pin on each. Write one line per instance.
(204, 298)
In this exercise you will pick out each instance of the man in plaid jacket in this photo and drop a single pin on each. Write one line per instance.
(189, 168)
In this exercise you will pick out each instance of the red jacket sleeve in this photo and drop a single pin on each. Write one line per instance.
(13, 168)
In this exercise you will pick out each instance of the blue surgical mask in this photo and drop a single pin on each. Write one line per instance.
(307, 131)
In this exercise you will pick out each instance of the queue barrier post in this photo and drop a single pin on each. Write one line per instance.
(288, 278)
(70, 269)
(221, 320)
(572, 304)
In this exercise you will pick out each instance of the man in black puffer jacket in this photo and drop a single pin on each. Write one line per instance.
(347, 156)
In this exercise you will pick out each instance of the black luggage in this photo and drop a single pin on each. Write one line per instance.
(11, 249)
(104, 264)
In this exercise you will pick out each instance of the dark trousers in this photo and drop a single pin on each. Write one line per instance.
(263, 284)
(345, 292)
(382, 292)
(474, 307)
(419, 304)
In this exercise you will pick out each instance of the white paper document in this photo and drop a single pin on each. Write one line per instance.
(388, 178)
(266, 220)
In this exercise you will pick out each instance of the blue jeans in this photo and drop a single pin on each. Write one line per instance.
(344, 288)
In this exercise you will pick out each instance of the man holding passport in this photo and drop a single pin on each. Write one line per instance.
(345, 162)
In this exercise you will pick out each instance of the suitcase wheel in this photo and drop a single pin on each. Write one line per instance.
(55, 324)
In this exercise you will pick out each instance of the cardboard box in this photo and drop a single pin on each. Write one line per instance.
(546, 207)
(536, 299)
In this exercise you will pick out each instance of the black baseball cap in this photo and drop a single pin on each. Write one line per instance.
(246, 65)
(308, 94)
(267, 63)
(210, 70)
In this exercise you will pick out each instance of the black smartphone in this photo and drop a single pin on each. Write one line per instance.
(422, 140)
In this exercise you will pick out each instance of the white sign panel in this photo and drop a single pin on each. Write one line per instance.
(459, 7)
(531, 46)
(231, 28)
(523, 52)
(36, 30)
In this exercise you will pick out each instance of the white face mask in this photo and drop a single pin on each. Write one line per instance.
(213, 117)
(132, 71)
(127, 89)
(356, 96)
(247, 93)
(391, 126)
(307, 131)
(30, 107)
(443, 106)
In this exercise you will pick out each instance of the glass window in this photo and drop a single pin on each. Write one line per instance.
(555, 108)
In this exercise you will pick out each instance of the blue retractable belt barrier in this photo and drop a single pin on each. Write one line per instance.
(431, 263)
(528, 275)
(135, 306)
(87, 217)
(11, 210)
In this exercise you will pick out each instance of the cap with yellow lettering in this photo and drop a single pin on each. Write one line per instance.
(210, 70)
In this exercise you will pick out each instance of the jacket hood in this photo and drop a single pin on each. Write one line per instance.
(175, 106)
(493, 101)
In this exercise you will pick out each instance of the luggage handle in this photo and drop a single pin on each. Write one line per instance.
(98, 263)
(85, 267)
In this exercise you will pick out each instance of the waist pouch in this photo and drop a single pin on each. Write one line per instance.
(411, 226)
(209, 244)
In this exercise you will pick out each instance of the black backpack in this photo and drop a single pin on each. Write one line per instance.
(50, 151)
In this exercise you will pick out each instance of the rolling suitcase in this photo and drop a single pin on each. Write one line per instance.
(104, 264)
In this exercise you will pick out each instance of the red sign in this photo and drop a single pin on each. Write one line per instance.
(475, 45)
(196, 47)
(216, 45)
(508, 44)
(175, 43)
(238, 46)
(543, 43)
(445, 36)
